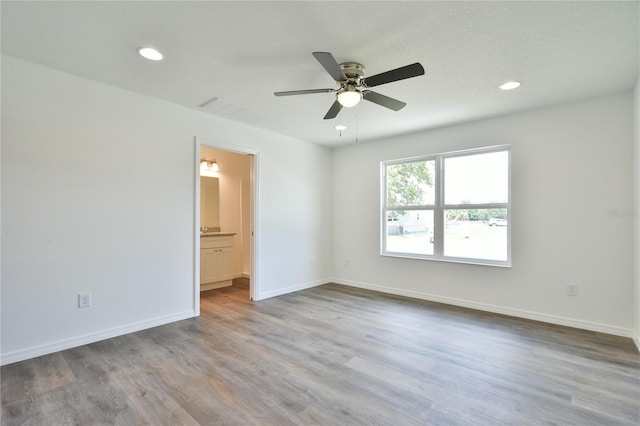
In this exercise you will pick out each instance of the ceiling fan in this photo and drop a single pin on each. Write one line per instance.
(354, 86)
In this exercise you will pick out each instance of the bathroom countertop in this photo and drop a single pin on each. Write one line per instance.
(217, 234)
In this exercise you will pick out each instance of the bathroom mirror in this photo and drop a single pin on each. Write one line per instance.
(209, 202)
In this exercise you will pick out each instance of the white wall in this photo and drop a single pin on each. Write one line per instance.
(82, 211)
(571, 165)
(636, 210)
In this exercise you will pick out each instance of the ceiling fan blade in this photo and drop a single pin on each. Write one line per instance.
(303, 92)
(329, 63)
(401, 73)
(333, 111)
(383, 100)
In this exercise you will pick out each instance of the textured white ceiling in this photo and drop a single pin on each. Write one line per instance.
(241, 52)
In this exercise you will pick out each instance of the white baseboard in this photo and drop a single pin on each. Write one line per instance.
(72, 342)
(520, 313)
(291, 289)
(636, 340)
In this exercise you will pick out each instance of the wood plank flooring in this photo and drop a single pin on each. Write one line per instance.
(332, 355)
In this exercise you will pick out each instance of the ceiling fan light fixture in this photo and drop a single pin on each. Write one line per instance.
(510, 85)
(150, 53)
(349, 97)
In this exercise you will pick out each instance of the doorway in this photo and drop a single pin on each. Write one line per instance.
(233, 222)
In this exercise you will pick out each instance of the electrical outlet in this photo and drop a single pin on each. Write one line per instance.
(84, 300)
(572, 289)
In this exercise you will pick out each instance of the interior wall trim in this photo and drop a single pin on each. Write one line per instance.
(85, 339)
(519, 313)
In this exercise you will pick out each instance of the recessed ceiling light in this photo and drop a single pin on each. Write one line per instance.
(150, 53)
(340, 127)
(510, 85)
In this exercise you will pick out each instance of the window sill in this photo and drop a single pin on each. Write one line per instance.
(479, 262)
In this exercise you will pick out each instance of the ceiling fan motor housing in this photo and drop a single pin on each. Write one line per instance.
(353, 72)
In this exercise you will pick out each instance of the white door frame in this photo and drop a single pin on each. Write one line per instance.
(254, 281)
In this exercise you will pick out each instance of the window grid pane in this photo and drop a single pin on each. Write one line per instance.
(476, 234)
(410, 232)
(410, 184)
(477, 178)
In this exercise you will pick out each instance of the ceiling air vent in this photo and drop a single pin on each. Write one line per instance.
(219, 106)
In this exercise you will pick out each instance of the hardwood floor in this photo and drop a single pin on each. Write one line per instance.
(332, 355)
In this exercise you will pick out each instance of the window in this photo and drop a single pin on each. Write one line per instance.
(453, 207)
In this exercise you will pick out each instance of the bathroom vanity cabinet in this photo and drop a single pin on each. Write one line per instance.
(216, 260)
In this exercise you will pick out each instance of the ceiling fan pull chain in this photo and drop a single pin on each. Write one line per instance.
(356, 128)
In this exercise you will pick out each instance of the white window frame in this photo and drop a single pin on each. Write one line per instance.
(439, 207)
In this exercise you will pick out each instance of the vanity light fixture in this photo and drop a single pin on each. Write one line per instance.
(209, 165)
(510, 85)
(150, 53)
